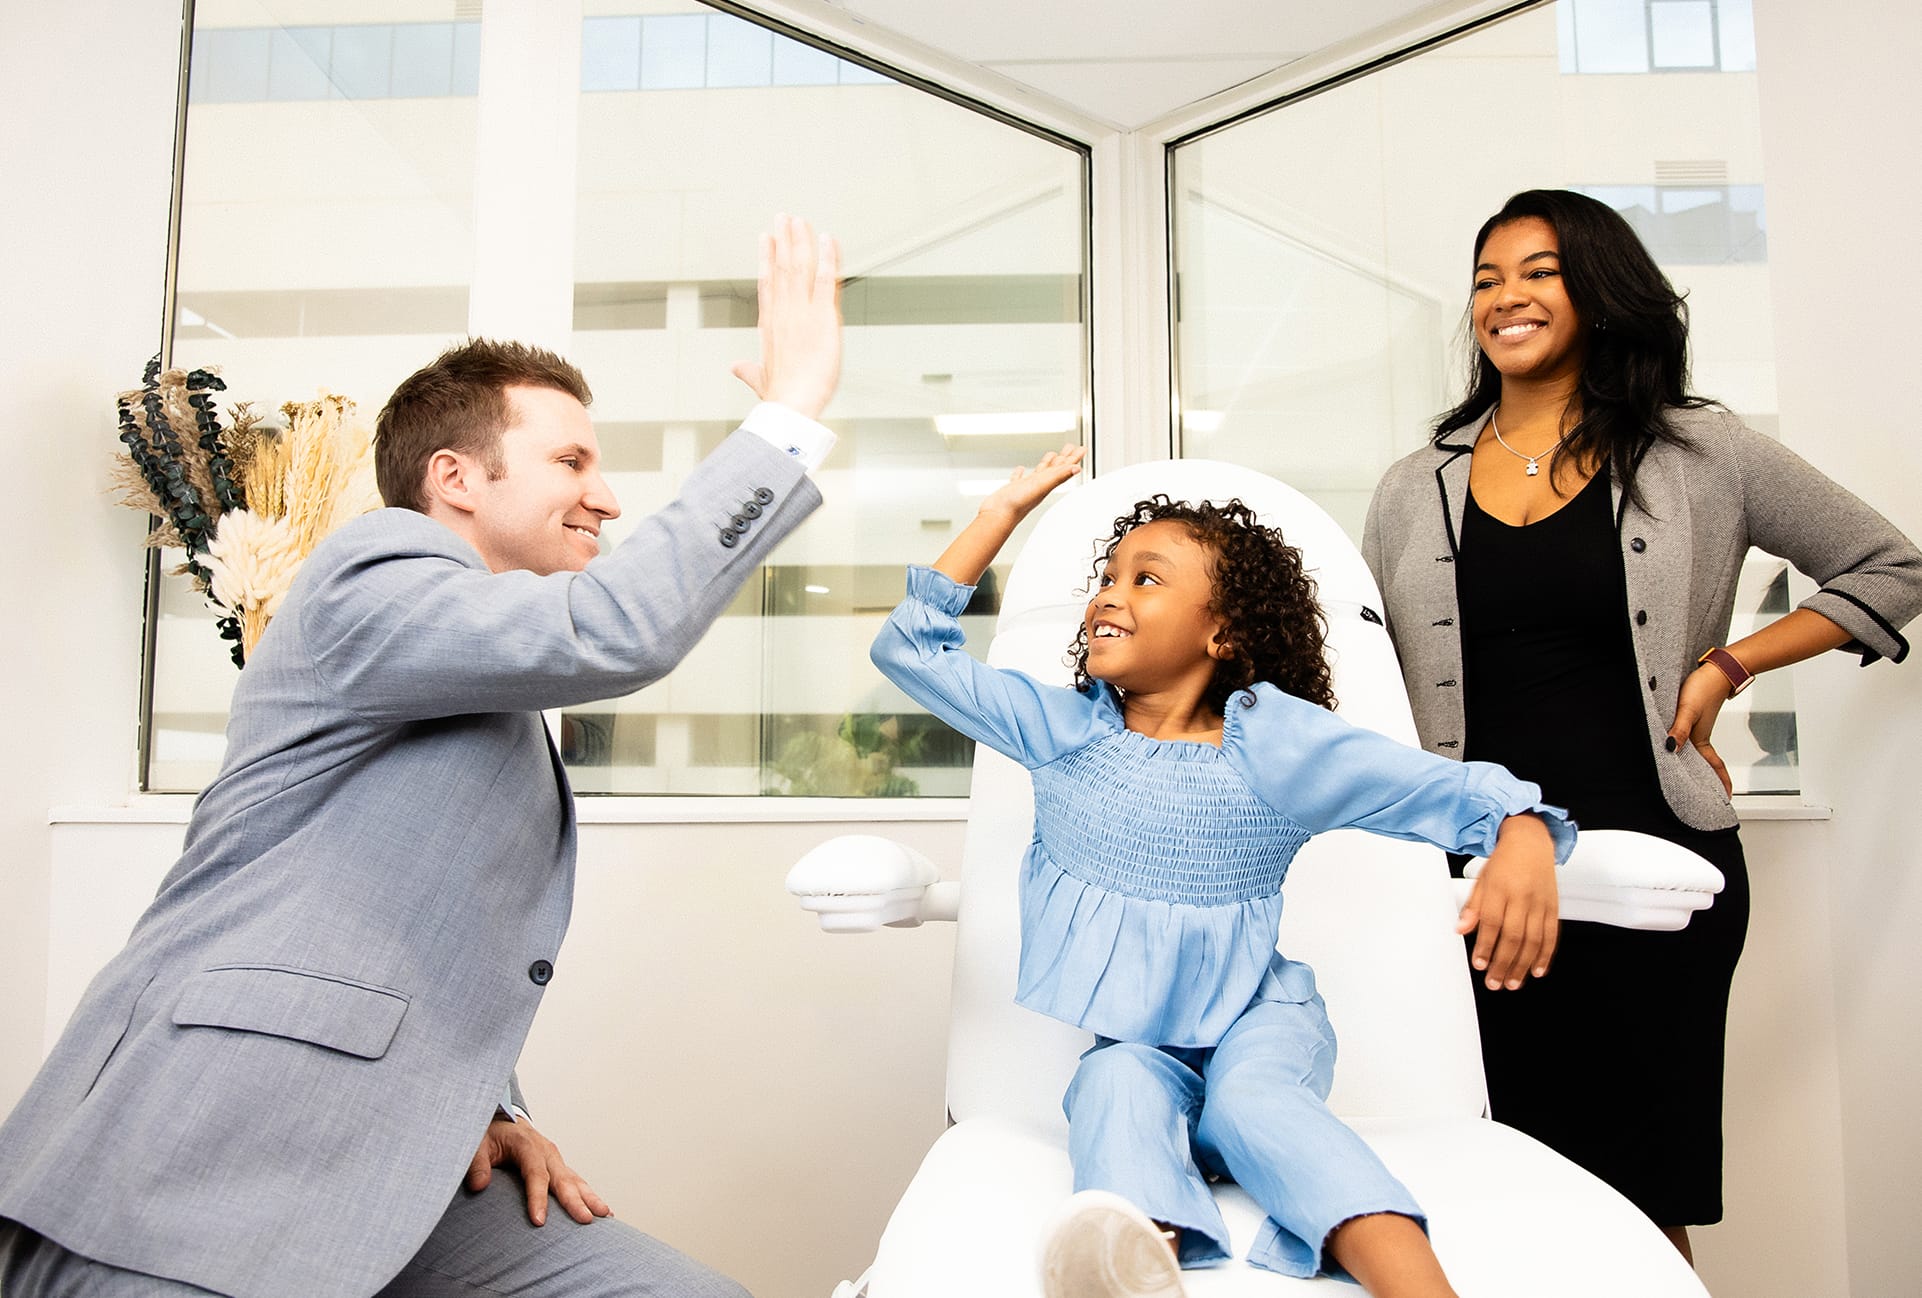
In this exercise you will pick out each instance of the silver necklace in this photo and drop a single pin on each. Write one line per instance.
(1534, 465)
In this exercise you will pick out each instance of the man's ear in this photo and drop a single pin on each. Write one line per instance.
(451, 479)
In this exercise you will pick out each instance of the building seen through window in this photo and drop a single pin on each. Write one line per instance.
(346, 260)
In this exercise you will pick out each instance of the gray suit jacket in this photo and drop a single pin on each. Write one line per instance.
(276, 1087)
(1703, 506)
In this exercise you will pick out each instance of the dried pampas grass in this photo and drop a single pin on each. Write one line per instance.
(247, 503)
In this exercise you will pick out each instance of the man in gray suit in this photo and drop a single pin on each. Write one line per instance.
(295, 1080)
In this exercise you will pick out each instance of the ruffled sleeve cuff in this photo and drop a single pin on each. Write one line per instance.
(1516, 797)
(938, 591)
(1560, 828)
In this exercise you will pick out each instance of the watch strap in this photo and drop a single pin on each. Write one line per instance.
(1739, 677)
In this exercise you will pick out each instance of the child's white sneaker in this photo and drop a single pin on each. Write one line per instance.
(1102, 1246)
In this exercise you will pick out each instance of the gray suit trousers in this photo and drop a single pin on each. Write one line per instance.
(483, 1247)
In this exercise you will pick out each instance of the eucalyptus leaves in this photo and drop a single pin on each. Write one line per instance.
(246, 503)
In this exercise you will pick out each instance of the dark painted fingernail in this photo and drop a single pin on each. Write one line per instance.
(1669, 743)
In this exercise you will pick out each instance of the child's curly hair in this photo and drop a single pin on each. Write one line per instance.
(1271, 620)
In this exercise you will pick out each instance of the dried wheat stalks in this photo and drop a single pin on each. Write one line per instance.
(246, 503)
(300, 485)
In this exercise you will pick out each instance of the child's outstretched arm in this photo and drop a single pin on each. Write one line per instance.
(970, 553)
(1515, 904)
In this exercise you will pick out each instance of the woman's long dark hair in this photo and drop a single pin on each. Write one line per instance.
(1636, 366)
(1270, 618)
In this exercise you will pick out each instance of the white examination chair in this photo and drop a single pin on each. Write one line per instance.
(1375, 917)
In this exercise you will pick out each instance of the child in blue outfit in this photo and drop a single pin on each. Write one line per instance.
(1173, 784)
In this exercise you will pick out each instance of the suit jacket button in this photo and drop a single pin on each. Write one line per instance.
(1638, 545)
(749, 509)
(740, 522)
(540, 972)
(1641, 617)
(763, 496)
(729, 538)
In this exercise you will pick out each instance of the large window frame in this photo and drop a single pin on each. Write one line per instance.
(1076, 157)
(1130, 304)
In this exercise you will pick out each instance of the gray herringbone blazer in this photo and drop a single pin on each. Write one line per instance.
(276, 1088)
(1702, 507)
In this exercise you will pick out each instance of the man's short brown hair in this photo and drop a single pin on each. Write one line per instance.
(459, 403)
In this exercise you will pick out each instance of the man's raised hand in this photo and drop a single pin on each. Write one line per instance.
(800, 319)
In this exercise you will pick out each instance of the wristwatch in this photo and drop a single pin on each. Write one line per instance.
(1739, 677)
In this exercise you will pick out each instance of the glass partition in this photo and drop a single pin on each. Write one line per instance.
(327, 240)
(1322, 252)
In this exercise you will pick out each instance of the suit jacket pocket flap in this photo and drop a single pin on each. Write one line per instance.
(354, 1018)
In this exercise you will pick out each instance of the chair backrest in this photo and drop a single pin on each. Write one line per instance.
(1375, 917)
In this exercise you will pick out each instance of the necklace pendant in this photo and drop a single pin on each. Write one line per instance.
(1533, 468)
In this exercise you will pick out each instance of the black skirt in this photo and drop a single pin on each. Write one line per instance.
(1615, 1059)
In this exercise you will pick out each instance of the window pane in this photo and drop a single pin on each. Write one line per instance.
(1322, 254)
(1681, 33)
(966, 343)
(738, 53)
(1735, 21)
(1610, 35)
(341, 264)
(297, 67)
(673, 52)
(230, 66)
(362, 61)
(423, 59)
(611, 54)
(966, 356)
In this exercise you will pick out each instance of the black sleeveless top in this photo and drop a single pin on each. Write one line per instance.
(1548, 667)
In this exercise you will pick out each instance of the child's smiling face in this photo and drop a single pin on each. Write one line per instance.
(1149, 625)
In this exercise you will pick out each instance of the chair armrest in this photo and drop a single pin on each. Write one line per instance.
(1628, 879)
(858, 882)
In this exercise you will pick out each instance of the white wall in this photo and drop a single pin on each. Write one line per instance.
(1839, 97)
(86, 154)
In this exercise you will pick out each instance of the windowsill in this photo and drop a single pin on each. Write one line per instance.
(175, 808)
(1779, 806)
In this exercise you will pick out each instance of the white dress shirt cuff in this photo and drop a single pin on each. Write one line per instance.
(793, 433)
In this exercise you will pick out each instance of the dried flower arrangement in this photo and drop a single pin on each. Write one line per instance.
(247, 502)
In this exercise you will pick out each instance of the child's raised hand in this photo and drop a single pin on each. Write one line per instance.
(1515, 907)
(1026, 488)
(970, 553)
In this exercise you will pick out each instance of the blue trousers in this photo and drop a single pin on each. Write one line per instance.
(1153, 1123)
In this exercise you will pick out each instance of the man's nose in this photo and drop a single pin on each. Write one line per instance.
(599, 497)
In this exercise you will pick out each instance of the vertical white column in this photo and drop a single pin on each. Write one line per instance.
(524, 182)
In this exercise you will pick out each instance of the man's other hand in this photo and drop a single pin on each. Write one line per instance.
(542, 1170)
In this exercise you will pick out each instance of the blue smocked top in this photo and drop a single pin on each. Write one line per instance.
(1151, 893)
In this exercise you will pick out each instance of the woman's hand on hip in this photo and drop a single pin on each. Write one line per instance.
(1696, 708)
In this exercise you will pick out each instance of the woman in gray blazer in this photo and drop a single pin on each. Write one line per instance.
(1559, 568)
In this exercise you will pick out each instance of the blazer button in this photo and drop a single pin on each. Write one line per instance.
(763, 496)
(1638, 545)
(1651, 684)
(540, 972)
(1641, 617)
(749, 509)
(740, 522)
(729, 538)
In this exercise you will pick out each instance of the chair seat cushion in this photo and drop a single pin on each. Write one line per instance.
(1509, 1218)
